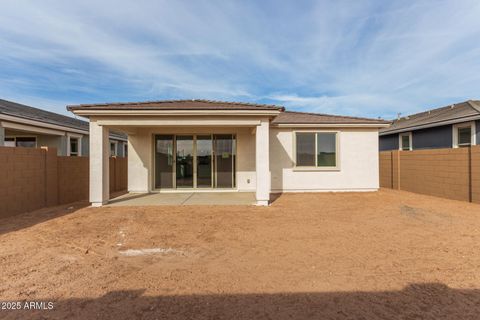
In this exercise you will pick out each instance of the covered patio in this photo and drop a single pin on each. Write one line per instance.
(184, 198)
(184, 152)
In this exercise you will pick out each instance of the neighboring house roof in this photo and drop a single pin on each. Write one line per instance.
(14, 109)
(282, 117)
(176, 105)
(455, 113)
(293, 117)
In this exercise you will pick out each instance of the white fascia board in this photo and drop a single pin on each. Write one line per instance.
(175, 122)
(21, 124)
(39, 124)
(118, 138)
(84, 112)
(75, 135)
(29, 128)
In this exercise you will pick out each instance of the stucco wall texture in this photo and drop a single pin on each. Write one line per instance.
(447, 173)
(357, 166)
(33, 178)
(358, 160)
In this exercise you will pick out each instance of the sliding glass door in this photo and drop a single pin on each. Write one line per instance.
(204, 161)
(224, 160)
(184, 162)
(195, 161)
(164, 162)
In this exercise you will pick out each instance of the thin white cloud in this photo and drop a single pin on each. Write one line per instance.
(372, 58)
(357, 105)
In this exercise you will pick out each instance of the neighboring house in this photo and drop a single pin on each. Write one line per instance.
(24, 126)
(452, 126)
(201, 145)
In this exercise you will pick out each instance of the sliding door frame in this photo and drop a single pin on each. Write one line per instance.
(213, 164)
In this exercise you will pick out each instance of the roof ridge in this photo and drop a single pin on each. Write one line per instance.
(453, 113)
(438, 109)
(241, 103)
(424, 112)
(178, 100)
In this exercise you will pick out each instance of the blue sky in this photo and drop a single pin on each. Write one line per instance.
(363, 58)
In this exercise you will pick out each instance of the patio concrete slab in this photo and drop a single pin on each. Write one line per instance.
(184, 198)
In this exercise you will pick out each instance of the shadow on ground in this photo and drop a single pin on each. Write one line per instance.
(274, 197)
(416, 301)
(126, 196)
(28, 219)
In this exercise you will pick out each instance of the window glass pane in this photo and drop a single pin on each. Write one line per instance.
(326, 149)
(27, 142)
(73, 147)
(204, 161)
(112, 149)
(164, 161)
(224, 149)
(184, 162)
(464, 136)
(305, 145)
(405, 142)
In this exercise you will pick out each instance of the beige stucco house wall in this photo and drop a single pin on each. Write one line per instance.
(358, 162)
(265, 146)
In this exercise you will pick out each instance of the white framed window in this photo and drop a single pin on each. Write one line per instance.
(405, 141)
(74, 145)
(464, 134)
(21, 141)
(318, 150)
(113, 148)
(125, 149)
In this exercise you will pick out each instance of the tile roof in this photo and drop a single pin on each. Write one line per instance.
(30, 113)
(293, 117)
(455, 112)
(284, 117)
(196, 104)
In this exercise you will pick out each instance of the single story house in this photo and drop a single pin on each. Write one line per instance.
(205, 146)
(24, 126)
(453, 126)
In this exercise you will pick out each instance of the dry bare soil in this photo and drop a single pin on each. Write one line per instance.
(384, 255)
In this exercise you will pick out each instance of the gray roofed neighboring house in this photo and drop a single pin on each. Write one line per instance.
(22, 125)
(444, 127)
(458, 112)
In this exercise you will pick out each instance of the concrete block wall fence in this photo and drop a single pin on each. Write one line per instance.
(34, 178)
(446, 173)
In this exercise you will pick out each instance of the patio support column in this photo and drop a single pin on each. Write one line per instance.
(262, 163)
(2, 136)
(99, 165)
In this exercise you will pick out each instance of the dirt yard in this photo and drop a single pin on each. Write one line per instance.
(385, 255)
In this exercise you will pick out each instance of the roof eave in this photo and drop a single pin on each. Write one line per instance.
(50, 126)
(42, 124)
(87, 112)
(430, 125)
